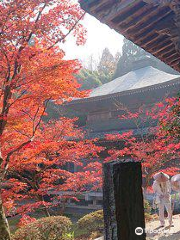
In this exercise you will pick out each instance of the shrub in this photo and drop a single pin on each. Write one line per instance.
(147, 210)
(92, 222)
(51, 228)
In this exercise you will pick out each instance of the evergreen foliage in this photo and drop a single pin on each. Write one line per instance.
(131, 53)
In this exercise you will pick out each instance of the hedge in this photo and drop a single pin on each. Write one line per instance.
(92, 222)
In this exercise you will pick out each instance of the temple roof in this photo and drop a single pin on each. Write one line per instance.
(135, 79)
(153, 25)
(145, 85)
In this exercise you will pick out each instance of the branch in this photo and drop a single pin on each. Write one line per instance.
(37, 19)
(27, 114)
(17, 99)
(25, 143)
(40, 119)
(11, 153)
(35, 119)
(8, 65)
(63, 38)
(24, 134)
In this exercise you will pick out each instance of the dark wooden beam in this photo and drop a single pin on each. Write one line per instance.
(142, 21)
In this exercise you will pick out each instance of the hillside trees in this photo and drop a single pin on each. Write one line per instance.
(108, 62)
(32, 72)
(131, 53)
(98, 72)
(109, 67)
(88, 79)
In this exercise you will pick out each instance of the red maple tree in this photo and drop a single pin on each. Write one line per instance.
(32, 73)
(40, 170)
(156, 142)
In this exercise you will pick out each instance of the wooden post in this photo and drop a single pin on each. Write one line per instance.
(123, 201)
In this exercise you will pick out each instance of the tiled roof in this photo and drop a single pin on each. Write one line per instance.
(137, 79)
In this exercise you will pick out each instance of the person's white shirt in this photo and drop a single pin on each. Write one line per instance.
(162, 191)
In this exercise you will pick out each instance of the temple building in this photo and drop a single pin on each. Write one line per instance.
(144, 85)
(153, 25)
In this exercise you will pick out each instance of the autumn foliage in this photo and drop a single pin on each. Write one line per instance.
(35, 155)
(156, 140)
(44, 169)
(33, 73)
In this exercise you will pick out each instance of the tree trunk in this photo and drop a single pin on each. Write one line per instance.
(45, 209)
(4, 226)
(46, 212)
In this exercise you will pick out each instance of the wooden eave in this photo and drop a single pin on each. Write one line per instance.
(154, 94)
(154, 25)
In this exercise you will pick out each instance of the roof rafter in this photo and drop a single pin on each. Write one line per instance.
(151, 24)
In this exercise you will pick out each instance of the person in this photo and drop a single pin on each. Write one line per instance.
(175, 182)
(162, 189)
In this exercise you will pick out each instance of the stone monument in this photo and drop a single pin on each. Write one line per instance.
(123, 201)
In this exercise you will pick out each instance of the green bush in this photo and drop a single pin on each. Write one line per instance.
(147, 210)
(92, 222)
(48, 228)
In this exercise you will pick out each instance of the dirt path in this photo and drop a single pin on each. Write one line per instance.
(166, 233)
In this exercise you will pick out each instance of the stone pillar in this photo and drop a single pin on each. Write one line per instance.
(123, 200)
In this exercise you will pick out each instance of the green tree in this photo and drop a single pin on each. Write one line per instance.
(131, 53)
(96, 74)
(88, 79)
